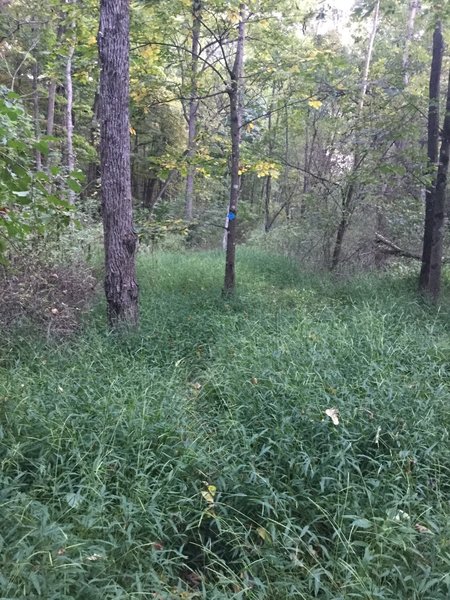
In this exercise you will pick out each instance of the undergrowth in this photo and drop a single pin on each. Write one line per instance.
(194, 459)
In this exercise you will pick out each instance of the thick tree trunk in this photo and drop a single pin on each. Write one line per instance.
(119, 235)
(433, 152)
(193, 108)
(235, 93)
(434, 285)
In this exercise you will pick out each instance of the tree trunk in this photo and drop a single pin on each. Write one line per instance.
(37, 124)
(92, 172)
(235, 93)
(343, 225)
(365, 79)
(434, 285)
(412, 12)
(433, 151)
(193, 108)
(119, 235)
(347, 201)
(267, 197)
(51, 102)
(69, 115)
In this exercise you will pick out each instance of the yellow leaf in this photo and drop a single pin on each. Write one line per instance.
(92, 40)
(132, 131)
(233, 17)
(316, 104)
(263, 533)
(209, 494)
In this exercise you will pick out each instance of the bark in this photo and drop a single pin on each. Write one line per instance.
(69, 116)
(343, 225)
(351, 192)
(412, 12)
(267, 189)
(365, 79)
(267, 197)
(51, 102)
(51, 107)
(92, 173)
(235, 93)
(37, 125)
(433, 153)
(120, 238)
(434, 285)
(193, 108)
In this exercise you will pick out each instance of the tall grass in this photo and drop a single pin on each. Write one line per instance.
(194, 459)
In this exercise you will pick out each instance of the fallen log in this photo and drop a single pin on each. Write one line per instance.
(393, 249)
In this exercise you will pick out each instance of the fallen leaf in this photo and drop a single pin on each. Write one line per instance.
(263, 533)
(377, 436)
(94, 557)
(333, 413)
(421, 528)
(401, 516)
(209, 494)
(254, 380)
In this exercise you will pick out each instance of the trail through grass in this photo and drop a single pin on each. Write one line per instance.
(194, 459)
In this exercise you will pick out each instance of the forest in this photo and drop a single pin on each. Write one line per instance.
(224, 299)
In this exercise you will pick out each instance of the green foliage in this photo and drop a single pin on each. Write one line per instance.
(27, 204)
(195, 458)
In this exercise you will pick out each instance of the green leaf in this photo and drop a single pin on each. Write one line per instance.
(361, 524)
(74, 185)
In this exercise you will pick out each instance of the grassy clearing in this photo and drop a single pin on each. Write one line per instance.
(109, 447)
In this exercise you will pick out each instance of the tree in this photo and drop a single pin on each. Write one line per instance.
(120, 239)
(439, 205)
(193, 106)
(433, 154)
(235, 93)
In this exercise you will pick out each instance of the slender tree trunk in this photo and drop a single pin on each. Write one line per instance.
(347, 201)
(51, 107)
(268, 184)
(235, 93)
(193, 108)
(365, 78)
(37, 122)
(69, 115)
(343, 225)
(434, 285)
(119, 235)
(92, 173)
(412, 12)
(267, 197)
(433, 152)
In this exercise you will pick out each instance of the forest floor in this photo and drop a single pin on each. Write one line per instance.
(196, 459)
